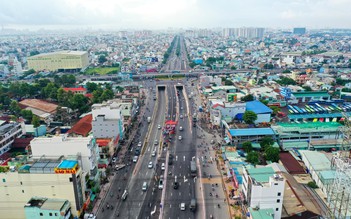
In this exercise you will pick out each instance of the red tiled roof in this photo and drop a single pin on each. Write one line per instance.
(83, 126)
(89, 95)
(21, 142)
(103, 141)
(74, 89)
(291, 164)
(216, 105)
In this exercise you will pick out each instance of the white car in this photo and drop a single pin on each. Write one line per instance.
(159, 126)
(139, 144)
(163, 166)
(180, 128)
(153, 153)
(181, 116)
(182, 206)
(150, 165)
(156, 142)
(180, 137)
(135, 159)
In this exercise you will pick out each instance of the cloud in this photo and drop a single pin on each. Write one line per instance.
(157, 14)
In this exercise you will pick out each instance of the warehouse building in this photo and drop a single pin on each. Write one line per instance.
(59, 61)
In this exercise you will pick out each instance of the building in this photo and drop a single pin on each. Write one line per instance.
(47, 208)
(263, 189)
(58, 178)
(83, 127)
(319, 167)
(41, 108)
(8, 133)
(307, 96)
(249, 32)
(225, 110)
(76, 90)
(59, 61)
(107, 120)
(84, 148)
(239, 136)
(299, 30)
(262, 111)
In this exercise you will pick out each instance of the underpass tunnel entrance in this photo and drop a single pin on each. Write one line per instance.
(161, 87)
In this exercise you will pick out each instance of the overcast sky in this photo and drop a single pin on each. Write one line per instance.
(160, 14)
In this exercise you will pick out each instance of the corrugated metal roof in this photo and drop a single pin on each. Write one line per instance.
(291, 164)
(258, 107)
(251, 132)
(261, 174)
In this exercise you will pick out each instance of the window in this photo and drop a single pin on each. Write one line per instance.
(70, 179)
(278, 200)
(50, 214)
(279, 193)
(41, 214)
(21, 183)
(277, 209)
(56, 214)
(3, 180)
(275, 184)
(22, 191)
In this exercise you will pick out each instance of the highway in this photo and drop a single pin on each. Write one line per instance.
(182, 150)
(177, 62)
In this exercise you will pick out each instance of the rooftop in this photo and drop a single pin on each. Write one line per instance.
(261, 174)
(46, 203)
(251, 132)
(67, 164)
(291, 164)
(63, 52)
(317, 160)
(307, 127)
(83, 126)
(258, 107)
(311, 94)
(39, 104)
(261, 213)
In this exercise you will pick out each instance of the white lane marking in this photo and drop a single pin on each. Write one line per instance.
(185, 179)
(176, 158)
(171, 194)
(180, 193)
(184, 158)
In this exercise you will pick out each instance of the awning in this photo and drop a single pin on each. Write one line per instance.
(92, 197)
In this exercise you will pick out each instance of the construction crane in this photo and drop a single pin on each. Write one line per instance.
(339, 194)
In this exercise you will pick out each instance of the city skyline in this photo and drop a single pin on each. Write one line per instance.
(161, 14)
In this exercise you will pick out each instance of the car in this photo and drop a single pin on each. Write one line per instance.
(139, 144)
(159, 126)
(144, 188)
(160, 184)
(170, 156)
(135, 159)
(153, 153)
(170, 161)
(180, 128)
(175, 185)
(180, 137)
(137, 151)
(182, 206)
(114, 159)
(181, 108)
(156, 142)
(163, 166)
(181, 116)
(150, 165)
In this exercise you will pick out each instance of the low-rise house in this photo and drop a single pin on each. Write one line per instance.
(41, 108)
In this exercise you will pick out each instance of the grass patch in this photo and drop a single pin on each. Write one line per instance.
(102, 70)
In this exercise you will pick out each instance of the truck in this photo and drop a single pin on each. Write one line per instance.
(149, 119)
(193, 167)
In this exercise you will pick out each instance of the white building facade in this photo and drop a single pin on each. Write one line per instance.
(8, 133)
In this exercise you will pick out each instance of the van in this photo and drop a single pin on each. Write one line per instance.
(193, 204)
(144, 186)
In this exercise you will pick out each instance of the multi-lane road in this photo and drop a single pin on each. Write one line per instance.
(178, 59)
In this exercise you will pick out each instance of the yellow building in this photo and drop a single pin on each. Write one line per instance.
(56, 179)
(61, 60)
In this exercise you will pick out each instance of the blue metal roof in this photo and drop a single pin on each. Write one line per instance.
(258, 107)
(251, 132)
(317, 115)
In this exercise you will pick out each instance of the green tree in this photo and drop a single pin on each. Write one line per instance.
(260, 81)
(14, 107)
(102, 59)
(35, 121)
(233, 68)
(266, 141)
(247, 146)
(97, 95)
(250, 117)
(228, 82)
(91, 87)
(33, 53)
(253, 158)
(247, 98)
(79, 102)
(107, 94)
(307, 88)
(275, 109)
(286, 81)
(312, 184)
(27, 114)
(272, 154)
